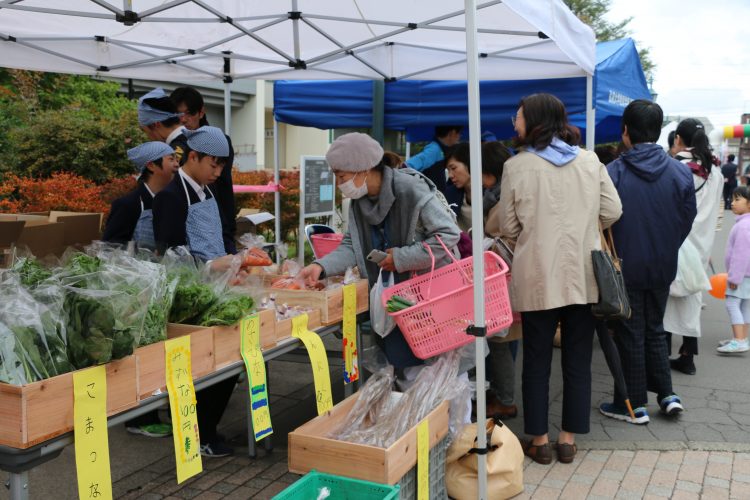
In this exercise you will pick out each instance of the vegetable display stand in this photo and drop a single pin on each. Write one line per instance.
(150, 358)
(444, 304)
(284, 326)
(310, 448)
(227, 339)
(340, 488)
(33, 413)
(330, 302)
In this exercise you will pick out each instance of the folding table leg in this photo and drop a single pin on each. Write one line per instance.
(19, 485)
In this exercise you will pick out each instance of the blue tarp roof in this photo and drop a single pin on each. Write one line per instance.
(418, 105)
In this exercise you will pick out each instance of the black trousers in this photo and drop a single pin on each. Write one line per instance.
(689, 345)
(212, 401)
(577, 328)
(642, 343)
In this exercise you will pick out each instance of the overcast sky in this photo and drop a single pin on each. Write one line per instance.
(701, 54)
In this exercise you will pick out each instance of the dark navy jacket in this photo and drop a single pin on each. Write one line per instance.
(658, 208)
(124, 215)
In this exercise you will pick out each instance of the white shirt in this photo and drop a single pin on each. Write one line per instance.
(171, 137)
(196, 187)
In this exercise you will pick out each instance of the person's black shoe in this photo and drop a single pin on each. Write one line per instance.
(216, 449)
(683, 364)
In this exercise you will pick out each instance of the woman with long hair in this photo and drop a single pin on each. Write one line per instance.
(683, 314)
(553, 198)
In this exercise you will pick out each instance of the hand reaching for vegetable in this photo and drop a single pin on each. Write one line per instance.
(388, 264)
(311, 274)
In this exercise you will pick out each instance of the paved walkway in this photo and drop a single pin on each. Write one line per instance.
(703, 454)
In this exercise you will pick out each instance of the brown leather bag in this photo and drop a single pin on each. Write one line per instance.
(504, 463)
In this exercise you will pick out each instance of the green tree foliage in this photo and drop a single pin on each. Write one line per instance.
(592, 12)
(64, 123)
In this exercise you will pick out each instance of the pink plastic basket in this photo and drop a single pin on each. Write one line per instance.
(325, 243)
(445, 304)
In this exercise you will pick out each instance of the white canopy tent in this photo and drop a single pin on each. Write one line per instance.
(191, 40)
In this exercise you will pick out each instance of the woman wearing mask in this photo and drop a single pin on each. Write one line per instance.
(683, 314)
(553, 198)
(500, 362)
(392, 210)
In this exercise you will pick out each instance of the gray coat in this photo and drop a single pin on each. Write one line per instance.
(420, 214)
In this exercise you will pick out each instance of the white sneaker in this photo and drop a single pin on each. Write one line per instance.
(734, 346)
(724, 342)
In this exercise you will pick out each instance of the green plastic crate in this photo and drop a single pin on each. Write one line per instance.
(341, 488)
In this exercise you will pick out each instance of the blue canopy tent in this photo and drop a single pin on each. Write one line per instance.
(416, 106)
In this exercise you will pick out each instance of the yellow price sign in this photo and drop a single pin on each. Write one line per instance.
(256, 376)
(90, 433)
(351, 366)
(183, 407)
(423, 460)
(319, 361)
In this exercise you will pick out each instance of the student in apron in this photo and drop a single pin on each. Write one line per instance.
(186, 213)
(130, 217)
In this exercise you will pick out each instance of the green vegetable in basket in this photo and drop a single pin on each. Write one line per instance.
(397, 303)
(30, 271)
(227, 312)
(190, 302)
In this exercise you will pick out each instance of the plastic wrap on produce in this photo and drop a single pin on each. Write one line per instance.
(381, 419)
(32, 344)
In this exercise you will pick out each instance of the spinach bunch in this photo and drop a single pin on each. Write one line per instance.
(191, 300)
(227, 311)
(30, 271)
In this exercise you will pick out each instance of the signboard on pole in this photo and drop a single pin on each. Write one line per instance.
(317, 194)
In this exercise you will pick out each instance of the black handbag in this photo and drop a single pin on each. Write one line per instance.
(613, 298)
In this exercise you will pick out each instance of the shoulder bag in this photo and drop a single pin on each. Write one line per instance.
(613, 298)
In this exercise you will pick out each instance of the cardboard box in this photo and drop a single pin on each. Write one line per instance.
(9, 233)
(227, 339)
(329, 302)
(246, 225)
(310, 449)
(52, 232)
(41, 236)
(39, 411)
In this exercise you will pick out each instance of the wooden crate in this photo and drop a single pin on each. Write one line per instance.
(150, 358)
(227, 339)
(330, 302)
(284, 326)
(36, 412)
(309, 449)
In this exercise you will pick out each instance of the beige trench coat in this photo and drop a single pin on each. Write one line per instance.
(552, 214)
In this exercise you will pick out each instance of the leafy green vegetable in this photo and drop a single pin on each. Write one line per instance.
(90, 329)
(227, 312)
(190, 302)
(81, 263)
(30, 271)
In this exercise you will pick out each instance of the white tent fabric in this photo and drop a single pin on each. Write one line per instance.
(310, 39)
(184, 39)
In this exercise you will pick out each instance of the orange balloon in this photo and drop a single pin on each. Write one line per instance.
(718, 285)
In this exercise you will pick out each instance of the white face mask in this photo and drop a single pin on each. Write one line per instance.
(350, 190)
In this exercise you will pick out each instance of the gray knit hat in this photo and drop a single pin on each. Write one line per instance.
(354, 152)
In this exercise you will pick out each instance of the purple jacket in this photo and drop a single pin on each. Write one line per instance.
(737, 259)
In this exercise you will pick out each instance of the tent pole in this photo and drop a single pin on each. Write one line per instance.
(227, 109)
(477, 224)
(408, 150)
(277, 194)
(590, 113)
(378, 111)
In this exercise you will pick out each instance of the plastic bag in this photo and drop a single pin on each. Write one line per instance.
(254, 255)
(228, 310)
(691, 274)
(32, 342)
(382, 323)
(192, 295)
(380, 421)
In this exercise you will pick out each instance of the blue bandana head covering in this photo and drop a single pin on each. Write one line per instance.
(208, 140)
(148, 115)
(488, 136)
(148, 151)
